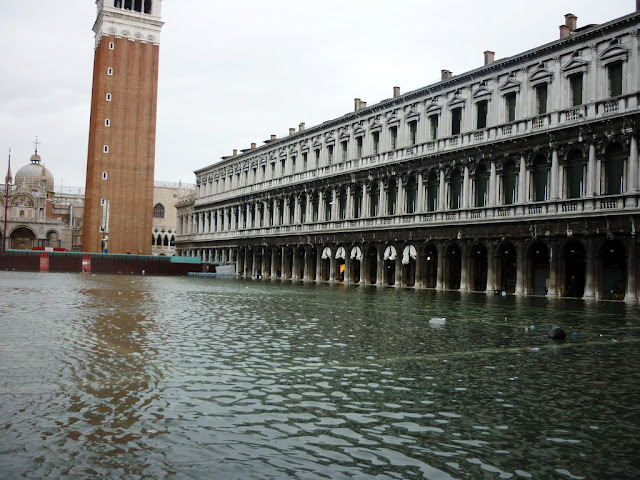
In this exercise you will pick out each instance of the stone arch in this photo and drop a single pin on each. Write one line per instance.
(508, 182)
(355, 263)
(340, 263)
(429, 259)
(452, 266)
(409, 262)
(539, 186)
(433, 190)
(506, 266)
(611, 268)
(390, 253)
(53, 239)
(480, 185)
(538, 268)
(22, 237)
(371, 264)
(411, 194)
(573, 257)
(478, 267)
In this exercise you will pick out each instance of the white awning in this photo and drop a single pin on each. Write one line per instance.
(390, 253)
(409, 251)
(326, 253)
(340, 253)
(356, 253)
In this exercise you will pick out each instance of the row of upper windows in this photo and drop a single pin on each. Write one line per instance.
(141, 6)
(315, 159)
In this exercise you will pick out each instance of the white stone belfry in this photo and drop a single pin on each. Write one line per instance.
(128, 19)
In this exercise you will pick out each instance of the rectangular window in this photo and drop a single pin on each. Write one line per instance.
(615, 79)
(264, 172)
(109, 71)
(254, 175)
(456, 121)
(433, 127)
(293, 164)
(305, 161)
(273, 170)
(393, 138)
(481, 110)
(376, 143)
(108, 97)
(317, 153)
(541, 99)
(106, 149)
(345, 150)
(575, 84)
(107, 122)
(510, 102)
(359, 147)
(329, 154)
(413, 132)
(104, 175)
(283, 165)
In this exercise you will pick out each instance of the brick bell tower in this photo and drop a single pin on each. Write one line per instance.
(118, 212)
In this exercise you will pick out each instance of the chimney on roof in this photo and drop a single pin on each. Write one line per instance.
(565, 31)
(301, 126)
(273, 137)
(292, 131)
(446, 74)
(235, 152)
(356, 104)
(396, 90)
(253, 145)
(490, 57)
(571, 21)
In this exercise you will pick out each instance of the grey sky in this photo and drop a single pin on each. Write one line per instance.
(232, 73)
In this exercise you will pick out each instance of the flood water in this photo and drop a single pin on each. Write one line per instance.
(200, 378)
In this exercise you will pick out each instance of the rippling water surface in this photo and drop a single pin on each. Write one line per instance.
(195, 378)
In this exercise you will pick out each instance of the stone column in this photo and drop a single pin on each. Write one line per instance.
(419, 259)
(554, 175)
(349, 212)
(633, 165)
(493, 185)
(380, 267)
(631, 294)
(465, 188)
(520, 268)
(254, 262)
(398, 272)
(441, 265)
(464, 261)
(491, 267)
(590, 282)
(294, 264)
(381, 206)
(283, 263)
(274, 267)
(553, 269)
(522, 182)
(420, 196)
(441, 193)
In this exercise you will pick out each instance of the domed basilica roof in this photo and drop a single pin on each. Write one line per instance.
(31, 175)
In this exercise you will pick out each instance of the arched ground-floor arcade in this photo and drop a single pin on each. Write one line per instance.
(569, 259)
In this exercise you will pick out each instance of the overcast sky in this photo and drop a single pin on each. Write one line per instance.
(235, 72)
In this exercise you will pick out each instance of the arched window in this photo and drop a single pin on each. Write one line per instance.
(159, 241)
(509, 183)
(165, 241)
(147, 6)
(392, 197)
(158, 211)
(455, 190)
(539, 178)
(433, 187)
(481, 186)
(574, 174)
(342, 204)
(613, 170)
(411, 195)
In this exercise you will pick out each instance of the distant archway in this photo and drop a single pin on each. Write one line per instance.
(478, 263)
(539, 268)
(613, 270)
(22, 238)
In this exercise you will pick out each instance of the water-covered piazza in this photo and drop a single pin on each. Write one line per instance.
(164, 377)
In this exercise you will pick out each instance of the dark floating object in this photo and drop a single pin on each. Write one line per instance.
(556, 333)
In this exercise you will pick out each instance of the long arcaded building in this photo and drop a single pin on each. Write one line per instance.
(519, 176)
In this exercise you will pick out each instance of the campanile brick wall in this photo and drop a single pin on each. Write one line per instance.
(130, 137)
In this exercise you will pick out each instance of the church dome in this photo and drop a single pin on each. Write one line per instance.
(31, 175)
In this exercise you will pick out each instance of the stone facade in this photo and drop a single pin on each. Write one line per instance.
(121, 156)
(37, 217)
(520, 176)
(165, 216)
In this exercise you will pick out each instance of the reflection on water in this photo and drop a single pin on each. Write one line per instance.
(149, 377)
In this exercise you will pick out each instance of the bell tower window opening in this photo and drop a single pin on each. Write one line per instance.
(117, 3)
(147, 6)
(127, 4)
(137, 6)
